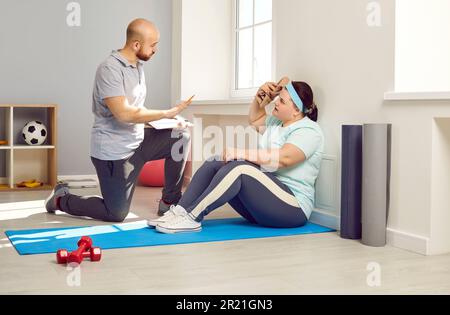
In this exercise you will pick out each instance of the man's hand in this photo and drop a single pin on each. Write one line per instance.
(171, 113)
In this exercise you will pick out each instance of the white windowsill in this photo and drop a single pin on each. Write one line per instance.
(414, 96)
(232, 101)
(227, 107)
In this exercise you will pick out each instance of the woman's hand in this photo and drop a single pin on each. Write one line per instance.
(231, 154)
(269, 90)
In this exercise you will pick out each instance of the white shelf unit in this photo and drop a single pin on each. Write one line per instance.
(19, 161)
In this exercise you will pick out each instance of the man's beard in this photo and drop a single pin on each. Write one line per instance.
(143, 57)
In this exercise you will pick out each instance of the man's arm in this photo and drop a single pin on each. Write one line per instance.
(125, 113)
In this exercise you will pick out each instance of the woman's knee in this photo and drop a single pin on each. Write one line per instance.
(214, 162)
(228, 167)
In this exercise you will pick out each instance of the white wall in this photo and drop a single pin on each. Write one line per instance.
(45, 61)
(205, 65)
(422, 45)
(440, 201)
(350, 65)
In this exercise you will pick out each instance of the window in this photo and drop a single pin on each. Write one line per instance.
(252, 45)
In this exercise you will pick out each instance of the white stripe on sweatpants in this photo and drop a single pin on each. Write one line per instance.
(229, 179)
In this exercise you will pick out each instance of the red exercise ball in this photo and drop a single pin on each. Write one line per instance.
(152, 174)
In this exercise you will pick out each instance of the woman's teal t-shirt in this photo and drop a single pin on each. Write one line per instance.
(308, 137)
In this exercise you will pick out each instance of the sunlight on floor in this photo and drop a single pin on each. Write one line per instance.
(25, 209)
(5, 245)
(20, 214)
(22, 205)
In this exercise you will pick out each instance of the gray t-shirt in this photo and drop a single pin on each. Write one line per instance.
(111, 139)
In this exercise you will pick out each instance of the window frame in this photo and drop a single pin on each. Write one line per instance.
(247, 92)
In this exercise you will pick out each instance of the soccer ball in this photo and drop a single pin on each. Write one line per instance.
(34, 133)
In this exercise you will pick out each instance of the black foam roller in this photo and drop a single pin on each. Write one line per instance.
(351, 181)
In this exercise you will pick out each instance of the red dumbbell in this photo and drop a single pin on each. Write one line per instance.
(85, 250)
(95, 254)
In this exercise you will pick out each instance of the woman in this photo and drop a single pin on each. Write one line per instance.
(291, 144)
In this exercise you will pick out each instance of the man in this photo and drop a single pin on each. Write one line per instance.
(120, 145)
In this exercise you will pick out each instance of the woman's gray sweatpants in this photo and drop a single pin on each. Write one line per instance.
(259, 197)
(118, 178)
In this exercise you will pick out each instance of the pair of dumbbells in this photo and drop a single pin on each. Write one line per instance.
(85, 250)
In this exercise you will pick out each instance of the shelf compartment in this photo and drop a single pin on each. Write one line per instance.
(4, 178)
(34, 164)
(23, 115)
(5, 126)
(5, 169)
(19, 161)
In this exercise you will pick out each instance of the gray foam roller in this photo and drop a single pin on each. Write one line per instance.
(375, 183)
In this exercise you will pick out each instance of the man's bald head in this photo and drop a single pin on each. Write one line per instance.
(142, 38)
(140, 30)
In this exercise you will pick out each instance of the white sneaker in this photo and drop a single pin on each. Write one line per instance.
(170, 214)
(179, 224)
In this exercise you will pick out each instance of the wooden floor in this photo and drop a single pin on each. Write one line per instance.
(306, 264)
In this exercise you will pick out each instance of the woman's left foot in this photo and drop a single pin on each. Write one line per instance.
(169, 215)
(183, 223)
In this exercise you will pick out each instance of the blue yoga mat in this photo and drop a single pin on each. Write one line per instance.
(138, 234)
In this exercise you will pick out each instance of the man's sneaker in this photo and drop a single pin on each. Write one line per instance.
(179, 224)
(163, 207)
(171, 213)
(59, 191)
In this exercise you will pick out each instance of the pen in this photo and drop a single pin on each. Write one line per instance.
(190, 99)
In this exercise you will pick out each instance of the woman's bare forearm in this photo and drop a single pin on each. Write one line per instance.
(256, 112)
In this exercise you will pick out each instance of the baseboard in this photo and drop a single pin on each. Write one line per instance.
(408, 241)
(325, 219)
(80, 181)
(78, 177)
